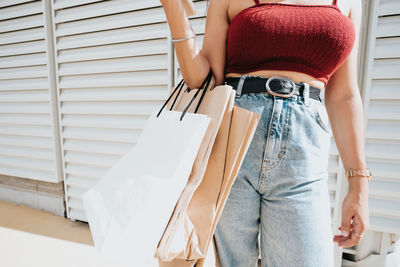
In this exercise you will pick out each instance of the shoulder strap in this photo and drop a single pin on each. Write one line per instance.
(335, 2)
(256, 1)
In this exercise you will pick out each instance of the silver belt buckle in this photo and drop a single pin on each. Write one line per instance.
(281, 78)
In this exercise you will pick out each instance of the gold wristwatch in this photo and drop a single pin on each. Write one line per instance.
(358, 172)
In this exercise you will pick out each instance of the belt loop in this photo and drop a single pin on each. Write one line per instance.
(306, 94)
(240, 85)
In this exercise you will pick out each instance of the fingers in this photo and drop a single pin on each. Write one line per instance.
(341, 239)
(356, 227)
(346, 223)
(345, 228)
(350, 240)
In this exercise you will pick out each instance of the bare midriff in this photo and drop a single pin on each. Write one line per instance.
(293, 75)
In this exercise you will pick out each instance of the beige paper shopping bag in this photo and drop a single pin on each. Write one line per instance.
(213, 103)
(205, 207)
(243, 126)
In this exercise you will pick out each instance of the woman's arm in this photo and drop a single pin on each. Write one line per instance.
(194, 63)
(345, 109)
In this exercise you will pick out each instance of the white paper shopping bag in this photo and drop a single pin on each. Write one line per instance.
(130, 206)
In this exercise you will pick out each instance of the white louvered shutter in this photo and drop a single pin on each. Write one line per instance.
(114, 68)
(28, 115)
(382, 98)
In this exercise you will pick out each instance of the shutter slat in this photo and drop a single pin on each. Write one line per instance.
(27, 119)
(139, 107)
(121, 20)
(115, 79)
(101, 9)
(6, 3)
(26, 163)
(17, 171)
(138, 33)
(21, 10)
(103, 160)
(114, 65)
(137, 48)
(23, 48)
(59, 4)
(37, 141)
(23, 60)
(387, 47)
(106, 121)
(389, 7)
(23, 72)
(22, 36)
(35, 107)
(86, 170)
(89, 146)
(388, 26)
(385, 89)
(98, 134)
(382, 150)
(24, 84)
(26, 152)
(26, 130)
(82, 182)
(16, 24)
(386, 68)
(116, 93)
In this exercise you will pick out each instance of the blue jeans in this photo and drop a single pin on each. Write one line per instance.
(281, 190)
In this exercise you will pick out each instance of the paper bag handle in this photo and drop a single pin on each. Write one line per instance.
(181, 83)
(206, 81)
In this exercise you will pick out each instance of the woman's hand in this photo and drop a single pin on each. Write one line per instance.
(355, 214)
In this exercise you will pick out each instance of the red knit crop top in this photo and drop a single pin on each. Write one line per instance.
(313, 39)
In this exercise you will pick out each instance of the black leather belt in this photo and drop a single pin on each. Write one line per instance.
(274, 85)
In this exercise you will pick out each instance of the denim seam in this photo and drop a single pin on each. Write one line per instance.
(283, 149)
(262, 177)
(284, 142)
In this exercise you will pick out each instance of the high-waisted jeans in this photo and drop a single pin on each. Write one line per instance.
(281, 190)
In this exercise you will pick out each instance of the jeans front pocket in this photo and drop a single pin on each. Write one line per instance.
(320, 115)
(308, 142)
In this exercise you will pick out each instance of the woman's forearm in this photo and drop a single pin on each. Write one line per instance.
(194, 66)
(347, 121)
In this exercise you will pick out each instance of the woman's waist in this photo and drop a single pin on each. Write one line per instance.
(293, 75)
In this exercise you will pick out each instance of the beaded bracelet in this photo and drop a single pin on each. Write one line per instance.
(358, 172)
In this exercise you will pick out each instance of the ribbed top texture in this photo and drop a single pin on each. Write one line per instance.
(313, 39)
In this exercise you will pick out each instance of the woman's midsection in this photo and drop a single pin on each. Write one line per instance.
(294, 75)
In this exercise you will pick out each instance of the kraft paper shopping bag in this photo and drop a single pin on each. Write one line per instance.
(214, 104)
(208, 200)
(187, 234)
(239, 142)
